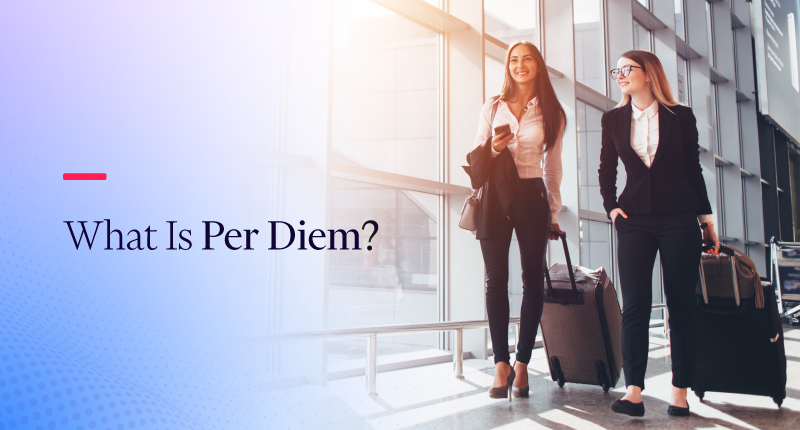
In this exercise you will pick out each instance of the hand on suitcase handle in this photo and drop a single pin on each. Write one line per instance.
(722, 248)
(555, 231)
(710, 236)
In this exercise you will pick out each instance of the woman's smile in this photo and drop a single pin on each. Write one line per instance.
(636, 81)
(521, 65)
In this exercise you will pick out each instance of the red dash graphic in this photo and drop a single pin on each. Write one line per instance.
(84, 176)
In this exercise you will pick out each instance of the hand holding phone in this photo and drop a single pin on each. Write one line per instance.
(500, 129)
(505, 136)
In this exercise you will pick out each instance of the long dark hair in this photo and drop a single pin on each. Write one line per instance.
(555, 120)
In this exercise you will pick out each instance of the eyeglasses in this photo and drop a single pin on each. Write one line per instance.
(624, 71)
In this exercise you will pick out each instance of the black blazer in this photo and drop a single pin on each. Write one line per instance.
(503, 195)
(673, 183)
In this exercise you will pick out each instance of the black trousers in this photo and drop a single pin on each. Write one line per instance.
(532, 234)
(678, 239)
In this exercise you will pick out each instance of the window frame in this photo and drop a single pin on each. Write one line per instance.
(650, 39)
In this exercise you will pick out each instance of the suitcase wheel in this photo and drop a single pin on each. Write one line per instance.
(778, 401)
(559, 375)
(602, 376)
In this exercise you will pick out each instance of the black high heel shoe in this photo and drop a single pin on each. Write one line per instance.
(502, 392)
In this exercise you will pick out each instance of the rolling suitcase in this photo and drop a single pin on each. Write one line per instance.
(739, 343)
(581, 323)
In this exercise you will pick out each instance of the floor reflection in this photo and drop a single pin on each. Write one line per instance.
(429, 397)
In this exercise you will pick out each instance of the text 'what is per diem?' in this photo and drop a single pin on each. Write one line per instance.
(282, 236)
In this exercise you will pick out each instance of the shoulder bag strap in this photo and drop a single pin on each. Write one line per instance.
(494, 111)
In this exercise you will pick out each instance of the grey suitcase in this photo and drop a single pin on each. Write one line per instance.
(581, 323)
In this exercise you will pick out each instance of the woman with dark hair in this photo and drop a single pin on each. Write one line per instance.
(517, 161)
(662, 209)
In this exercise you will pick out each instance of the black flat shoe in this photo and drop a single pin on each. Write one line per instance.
(628, 408)
(677, 411)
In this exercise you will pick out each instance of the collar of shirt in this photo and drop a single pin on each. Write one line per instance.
(651, 110)
(534, 101)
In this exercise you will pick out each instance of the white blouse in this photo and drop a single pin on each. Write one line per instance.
(644, 132)
(644, 138)
(526, 146)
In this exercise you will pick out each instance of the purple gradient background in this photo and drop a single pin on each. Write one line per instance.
(184, 105)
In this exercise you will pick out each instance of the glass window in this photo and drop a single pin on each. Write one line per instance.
(590, 68)
(512, 20)
(397, 281)
(641, 37)
(595, 236)
(645, 3)
(720, 203)
(713, 102)
(714, 120)
(385, 90)
(589, 140)
(710, 34)
(493, 77)
(735, 59)
(683, 81)
(596, 245)
(744, 214)
(394, 283)
(680, 21)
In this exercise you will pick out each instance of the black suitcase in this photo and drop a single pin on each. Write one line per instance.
(740, 348)
(581, 323)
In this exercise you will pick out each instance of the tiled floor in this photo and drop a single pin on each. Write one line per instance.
(431, 398)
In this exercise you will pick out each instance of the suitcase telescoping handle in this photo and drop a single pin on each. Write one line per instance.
(550, 293)
(734, 278)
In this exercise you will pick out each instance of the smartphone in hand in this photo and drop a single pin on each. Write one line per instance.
(505, 128)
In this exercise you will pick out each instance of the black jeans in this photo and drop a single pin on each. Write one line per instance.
(532, 235)
(678, 239)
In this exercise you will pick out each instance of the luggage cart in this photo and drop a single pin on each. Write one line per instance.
(785, 276)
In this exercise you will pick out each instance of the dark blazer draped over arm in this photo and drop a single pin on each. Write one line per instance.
(673, 183)
(502, 192)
